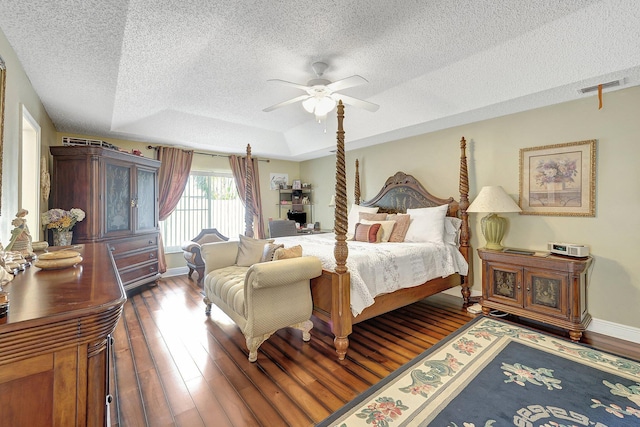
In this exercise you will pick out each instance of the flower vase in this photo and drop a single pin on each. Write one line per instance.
(62, 238)
(552, 187)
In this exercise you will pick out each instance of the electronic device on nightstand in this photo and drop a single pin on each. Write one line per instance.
(569, 249)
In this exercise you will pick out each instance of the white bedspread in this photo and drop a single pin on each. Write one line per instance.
(383, 267)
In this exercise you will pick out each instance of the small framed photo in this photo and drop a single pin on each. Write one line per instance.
(297, 184)
(559, 179)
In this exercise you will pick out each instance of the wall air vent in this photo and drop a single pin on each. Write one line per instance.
(604, 86)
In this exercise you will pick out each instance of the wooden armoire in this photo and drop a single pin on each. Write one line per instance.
(118, 192)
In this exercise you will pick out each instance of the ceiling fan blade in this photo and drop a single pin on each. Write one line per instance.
(284, 82)
(282, 104)
(346, 83)
(359, 103)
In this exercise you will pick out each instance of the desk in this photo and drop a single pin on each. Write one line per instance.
(54, 342)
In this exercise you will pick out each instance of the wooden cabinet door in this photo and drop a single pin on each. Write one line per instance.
(117, 199)
(145, 200)
(503, 284)
(546, 292)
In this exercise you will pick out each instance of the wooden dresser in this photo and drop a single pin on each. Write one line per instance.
(54, 343)
(119, 193)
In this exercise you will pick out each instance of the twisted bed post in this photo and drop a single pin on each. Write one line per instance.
(341, 280)
(248, 195)
(465, 234)
(356, 185)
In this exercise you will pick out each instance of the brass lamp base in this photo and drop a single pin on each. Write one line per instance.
(493, 228)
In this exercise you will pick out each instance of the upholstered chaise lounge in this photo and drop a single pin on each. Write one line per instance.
(260, 297)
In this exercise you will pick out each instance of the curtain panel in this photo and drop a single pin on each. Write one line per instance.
(239, 169)
(172, 178)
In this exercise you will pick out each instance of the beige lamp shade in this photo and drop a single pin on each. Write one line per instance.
(493, 199)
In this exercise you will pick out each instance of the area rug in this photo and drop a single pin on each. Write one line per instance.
(495, 373)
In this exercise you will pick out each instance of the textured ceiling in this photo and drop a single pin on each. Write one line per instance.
(195, 73)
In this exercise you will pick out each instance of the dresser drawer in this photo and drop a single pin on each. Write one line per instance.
(132, 258)
(140, 272)
(133, 244)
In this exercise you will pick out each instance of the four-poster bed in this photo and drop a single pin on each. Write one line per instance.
(331, 291)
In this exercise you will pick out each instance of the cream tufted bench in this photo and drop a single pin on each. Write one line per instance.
(260, 298)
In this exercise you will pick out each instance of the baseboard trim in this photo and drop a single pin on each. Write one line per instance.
(599, 326)
(175, 271)
(615, 330)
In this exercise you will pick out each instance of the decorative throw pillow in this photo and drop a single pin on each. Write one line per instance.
(286, 253)
(268, 251)
(427, 224)
(373, 216)
(402, 225)
(386, 226)
(452, 230)
(354, 217)
(370, 233)
(250, 251)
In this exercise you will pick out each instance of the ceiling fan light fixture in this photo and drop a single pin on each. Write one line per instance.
(324, 106)
(319, 105)
(321, 94)
(309, 104)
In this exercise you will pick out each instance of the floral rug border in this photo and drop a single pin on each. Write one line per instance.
(423, 386)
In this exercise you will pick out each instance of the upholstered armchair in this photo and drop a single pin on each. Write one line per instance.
(192, 248)
(282, 227)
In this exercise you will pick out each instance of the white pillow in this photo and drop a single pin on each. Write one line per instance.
(427, 224)
(354, 217)
(387, 228)
(452, 230)
(250, 251)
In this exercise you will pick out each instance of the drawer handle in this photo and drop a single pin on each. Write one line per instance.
(152, 255)
(151, 242)
(111, 248)
(152, 269)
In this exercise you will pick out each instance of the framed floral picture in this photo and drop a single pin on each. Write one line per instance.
(559, 179)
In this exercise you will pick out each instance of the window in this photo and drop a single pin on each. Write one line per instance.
(29, 194)
(210, 200)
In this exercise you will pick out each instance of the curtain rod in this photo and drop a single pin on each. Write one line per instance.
(151, 147)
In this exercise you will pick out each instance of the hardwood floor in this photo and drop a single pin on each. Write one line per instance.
(173, 366)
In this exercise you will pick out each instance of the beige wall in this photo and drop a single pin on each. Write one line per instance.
(19, 92)
(493, 152)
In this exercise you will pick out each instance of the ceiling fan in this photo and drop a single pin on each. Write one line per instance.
(321, 96)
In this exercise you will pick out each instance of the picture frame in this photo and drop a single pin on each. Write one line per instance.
(278, 181)
(559, 180)
(297, 184)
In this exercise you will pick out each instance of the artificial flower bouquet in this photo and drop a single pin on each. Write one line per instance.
(61, 220)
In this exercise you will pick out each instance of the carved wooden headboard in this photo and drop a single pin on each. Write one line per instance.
(401, 192)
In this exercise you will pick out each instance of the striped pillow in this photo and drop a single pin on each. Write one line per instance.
(370, 233)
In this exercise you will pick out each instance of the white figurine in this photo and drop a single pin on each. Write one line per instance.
(20, 236)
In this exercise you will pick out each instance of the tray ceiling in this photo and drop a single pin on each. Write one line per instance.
(195, 74)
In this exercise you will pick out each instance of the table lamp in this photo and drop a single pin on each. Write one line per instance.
(493, 199)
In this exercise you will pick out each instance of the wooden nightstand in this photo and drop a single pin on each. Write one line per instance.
(551, 289)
